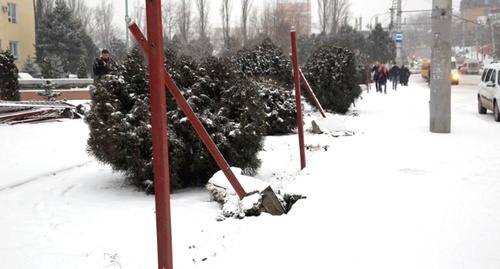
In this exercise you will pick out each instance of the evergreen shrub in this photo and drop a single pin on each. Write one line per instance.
(9, 82)
(331, 73)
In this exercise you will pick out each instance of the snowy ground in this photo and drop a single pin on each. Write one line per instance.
(393, 195)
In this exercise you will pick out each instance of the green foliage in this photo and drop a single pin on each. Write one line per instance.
(380, 45)
(197, 49)
(331, 72)
(9, 83)
(229, 108)
(82, 69)
(350, 39)
(270, 69)
(119, 122)
(280, 107)
(53, 67)
(61, 35)
(265, 60)
(117, 48)
(31, 67)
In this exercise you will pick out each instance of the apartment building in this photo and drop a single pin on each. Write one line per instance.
(17, 29)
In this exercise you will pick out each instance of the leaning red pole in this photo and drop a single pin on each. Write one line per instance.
(159, 133)
(298, 101)
(188, 111)
(311, 93)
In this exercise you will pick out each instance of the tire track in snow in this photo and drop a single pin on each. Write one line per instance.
(29, 180)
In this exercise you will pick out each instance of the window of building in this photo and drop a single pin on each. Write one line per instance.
(12, 12)
(14, 49)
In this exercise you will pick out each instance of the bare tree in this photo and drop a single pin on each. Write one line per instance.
(184, 19)
(41, 8)
(203, 11)
(168, 18)
(225, 11)
(339, 14)
(245, 14)
(103, 15)
(267, 20)
(83, 13)
(324, 11)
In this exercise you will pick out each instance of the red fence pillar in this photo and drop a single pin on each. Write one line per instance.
(159, 133)
(298, 98)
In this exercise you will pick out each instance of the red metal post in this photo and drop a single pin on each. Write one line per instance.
(198, 126)
(298, 97)
(313, 96)
(159, 131)
(368, 72)
(311, 93)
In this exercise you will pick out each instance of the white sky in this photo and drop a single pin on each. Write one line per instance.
(359, 8)
(392, 196)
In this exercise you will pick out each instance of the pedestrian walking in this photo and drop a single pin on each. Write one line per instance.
(383, 74)
(375, 75)
(404, 75)
(394, 75)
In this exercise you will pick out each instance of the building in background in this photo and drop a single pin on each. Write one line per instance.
(296, 13)
(480, 27)
(17, 29)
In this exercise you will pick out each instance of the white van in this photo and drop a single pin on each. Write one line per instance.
(488, 94)
(470, 66)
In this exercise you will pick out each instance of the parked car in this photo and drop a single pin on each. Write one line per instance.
(488, 94)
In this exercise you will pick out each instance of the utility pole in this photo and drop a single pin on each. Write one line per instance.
(399, 54)
(440, 99)
(492, 29)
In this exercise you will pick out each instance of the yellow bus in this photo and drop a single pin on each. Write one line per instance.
(454, 76)
(426, 66)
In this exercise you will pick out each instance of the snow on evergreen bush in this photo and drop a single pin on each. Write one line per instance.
(9, 83)
(228, 106)
(271, 70)
(331, 73)
(265, 60)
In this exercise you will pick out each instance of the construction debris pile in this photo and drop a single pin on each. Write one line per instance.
(15, 112)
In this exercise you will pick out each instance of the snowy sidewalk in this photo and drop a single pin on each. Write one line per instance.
(391, 196)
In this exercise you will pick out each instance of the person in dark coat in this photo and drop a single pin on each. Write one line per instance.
(104, 65)
(375, 76)
(405, 75)
(394, 75)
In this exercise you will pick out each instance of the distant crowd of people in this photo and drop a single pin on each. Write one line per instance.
(396, 75)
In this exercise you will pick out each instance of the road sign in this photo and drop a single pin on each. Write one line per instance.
(398, 37)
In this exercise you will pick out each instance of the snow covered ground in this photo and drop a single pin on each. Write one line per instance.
(392, 195)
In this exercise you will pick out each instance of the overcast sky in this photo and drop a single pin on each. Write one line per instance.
(367, 9)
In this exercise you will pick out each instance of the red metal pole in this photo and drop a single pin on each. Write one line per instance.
(198, 126)
(298, 101)
(311, 93)
(159, 131)
(313, 96)
(368, 74)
